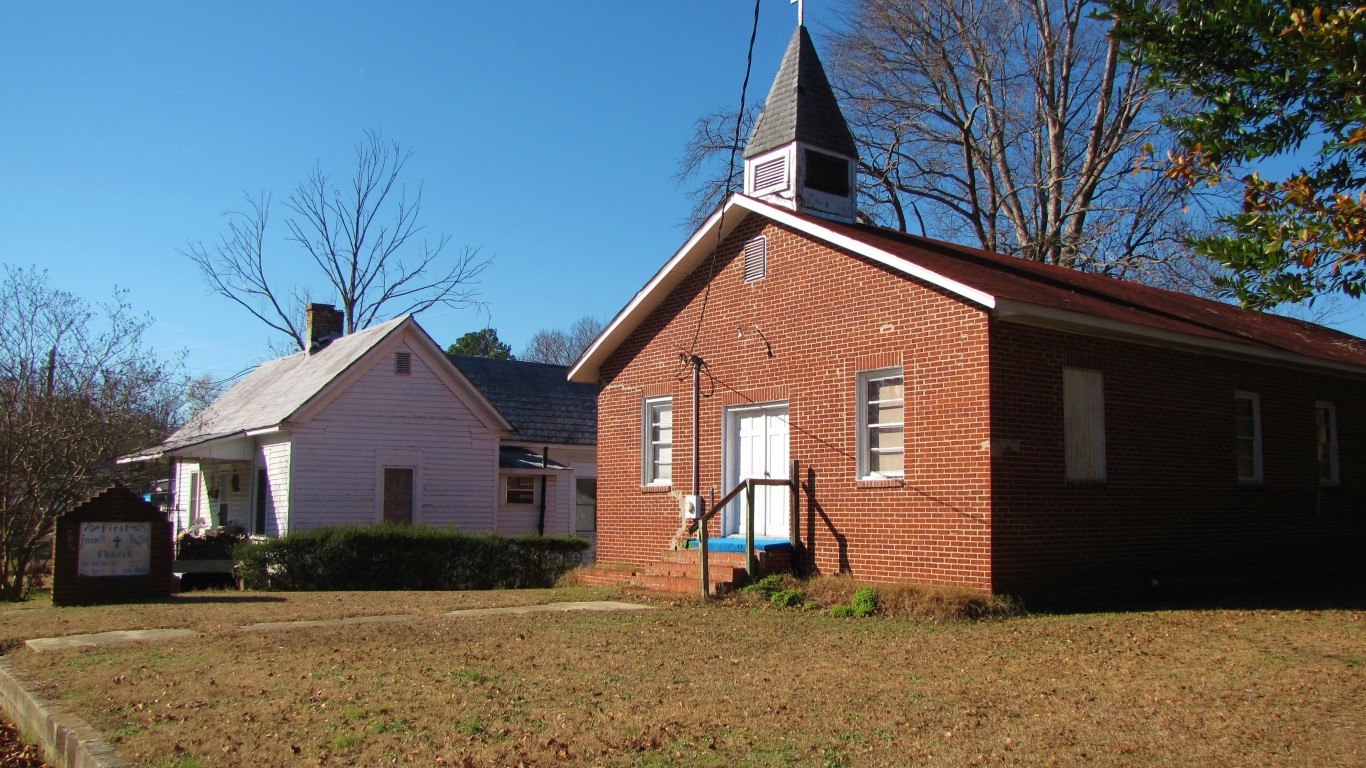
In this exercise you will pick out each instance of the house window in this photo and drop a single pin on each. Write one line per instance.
(1326, 424)
(1248, 436)
(756, 259)
(1083, 424)
(658, 441)
(520, 489)
(881, 448)
(403, 363)
(585, 505)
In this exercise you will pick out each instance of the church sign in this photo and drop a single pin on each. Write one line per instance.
(115, 549)
(112, 548)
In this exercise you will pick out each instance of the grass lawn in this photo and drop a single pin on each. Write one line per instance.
(707, 685)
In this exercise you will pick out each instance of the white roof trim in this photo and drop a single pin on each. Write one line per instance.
(1089, 325)
(699, 246)
(666, 278)
(786, 218)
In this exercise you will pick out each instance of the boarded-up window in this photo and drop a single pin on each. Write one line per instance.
(585, 505)
(1247, 436)
(398, 495)
(1083, 423)
(882, 409)
(1326, 426)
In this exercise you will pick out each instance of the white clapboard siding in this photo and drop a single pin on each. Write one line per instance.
(515, 519)
(336, 454)
(273, 456)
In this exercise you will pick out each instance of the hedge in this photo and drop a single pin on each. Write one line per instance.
(384, 557)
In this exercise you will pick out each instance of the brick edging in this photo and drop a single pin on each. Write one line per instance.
(67, 741)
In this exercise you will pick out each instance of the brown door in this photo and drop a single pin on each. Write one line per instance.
(398, 495)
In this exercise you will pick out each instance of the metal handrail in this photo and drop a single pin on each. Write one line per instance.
(747, 485)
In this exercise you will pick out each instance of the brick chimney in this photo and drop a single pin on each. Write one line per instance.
(322, 324)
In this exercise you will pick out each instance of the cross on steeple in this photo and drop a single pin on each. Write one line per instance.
(801, 11)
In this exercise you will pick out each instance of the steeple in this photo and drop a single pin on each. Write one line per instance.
(801, 154)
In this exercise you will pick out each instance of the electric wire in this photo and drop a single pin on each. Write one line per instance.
(730, 181)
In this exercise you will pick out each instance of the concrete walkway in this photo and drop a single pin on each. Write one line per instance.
(41, 644)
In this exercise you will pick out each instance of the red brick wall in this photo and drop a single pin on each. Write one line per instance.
(825, 316)
(1171, 506)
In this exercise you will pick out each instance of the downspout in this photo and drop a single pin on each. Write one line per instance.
(545, 460)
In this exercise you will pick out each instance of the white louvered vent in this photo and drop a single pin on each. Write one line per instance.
(403, 363)
(771, 173)
(756, 259)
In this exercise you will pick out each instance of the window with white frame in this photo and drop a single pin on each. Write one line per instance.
(882, 446)
(520, 489)
(1326, 428)
(658, 446)
(1248, 436)
(1083, 424)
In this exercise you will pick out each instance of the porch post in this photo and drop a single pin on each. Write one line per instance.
(751, 562)
(702, 547)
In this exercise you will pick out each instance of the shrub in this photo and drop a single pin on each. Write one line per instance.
(392, 557)
(864, 602)
(787, 598)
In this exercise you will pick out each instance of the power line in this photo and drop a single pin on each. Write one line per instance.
(730, 181)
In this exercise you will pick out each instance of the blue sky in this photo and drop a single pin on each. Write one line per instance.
(544, 133)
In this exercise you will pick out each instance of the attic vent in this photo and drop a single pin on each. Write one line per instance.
(403, 363)
(756, 259)
(771, 173)
(827, 173)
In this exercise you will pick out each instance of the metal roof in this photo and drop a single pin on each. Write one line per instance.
(1014, 290)
(276, 389)
(801, 106)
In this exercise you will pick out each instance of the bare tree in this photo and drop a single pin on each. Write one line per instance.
(77, 389)
(1011, 125)
(552, 345)
(364, 238)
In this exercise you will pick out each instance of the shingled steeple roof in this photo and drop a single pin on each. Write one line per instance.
(801, 106)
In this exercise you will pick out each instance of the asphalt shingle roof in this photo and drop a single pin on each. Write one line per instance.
(801, 106)
(538, 398)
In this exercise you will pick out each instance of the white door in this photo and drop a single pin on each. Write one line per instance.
(758, 448)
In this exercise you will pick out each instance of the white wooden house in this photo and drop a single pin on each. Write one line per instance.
(378, 425)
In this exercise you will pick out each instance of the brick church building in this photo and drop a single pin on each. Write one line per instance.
(958, 416)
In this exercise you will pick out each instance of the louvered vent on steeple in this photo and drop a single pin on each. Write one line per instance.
(801, 154)
(771, 173)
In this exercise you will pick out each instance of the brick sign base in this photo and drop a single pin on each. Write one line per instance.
(112, 548)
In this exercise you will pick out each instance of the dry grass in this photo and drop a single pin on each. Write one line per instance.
(222, 611)
(724, 685)
(911, 601)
